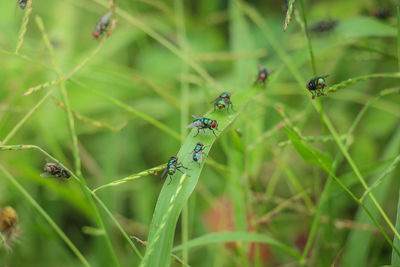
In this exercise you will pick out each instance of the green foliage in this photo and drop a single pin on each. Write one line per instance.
(288, 180)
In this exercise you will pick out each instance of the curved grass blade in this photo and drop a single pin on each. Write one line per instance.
(132, 177)
(163, 239)
(217, 238)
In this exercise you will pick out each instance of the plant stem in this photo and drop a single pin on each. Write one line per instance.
(310, 49)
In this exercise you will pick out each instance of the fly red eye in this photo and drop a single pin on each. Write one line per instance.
(96, 35)
(214, 124)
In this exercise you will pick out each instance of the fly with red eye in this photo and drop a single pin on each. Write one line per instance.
(202, 123)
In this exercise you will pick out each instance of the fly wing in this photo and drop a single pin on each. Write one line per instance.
(163, 174)
(190, 126)
(200, 156)
(47, 175)
(215, 100)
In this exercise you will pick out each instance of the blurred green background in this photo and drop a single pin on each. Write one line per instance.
(251, 173)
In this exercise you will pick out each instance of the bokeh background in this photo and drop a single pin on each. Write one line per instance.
(256, 180)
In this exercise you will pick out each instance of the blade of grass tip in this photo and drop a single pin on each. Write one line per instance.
(24, 26)
(289, 12)
(163, 41)
(26, 117)
(307, 35)
(95, 123)
(42, 212)
(131, 177)
(181, 33)
(76, 178)
(162, 249)
(132, 110)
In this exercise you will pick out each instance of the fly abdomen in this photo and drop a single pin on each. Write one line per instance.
(171, 169)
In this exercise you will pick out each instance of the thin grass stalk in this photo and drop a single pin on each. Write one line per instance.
(310, 49)
(344, 84)
(75, 151)
(77, 179)
(163, 222)
(185, 98)
(131, 177)
(312, 139)
(95, 123)
(25, 118)
(42, 212)
(24, 26)
(398, 37)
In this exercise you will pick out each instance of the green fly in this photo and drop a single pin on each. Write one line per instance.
(197, 154)
(223, 101)
(202, 123)
(172, 166)
(316, 86)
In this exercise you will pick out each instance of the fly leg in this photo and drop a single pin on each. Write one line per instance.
(198, 131)
(231, 104)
